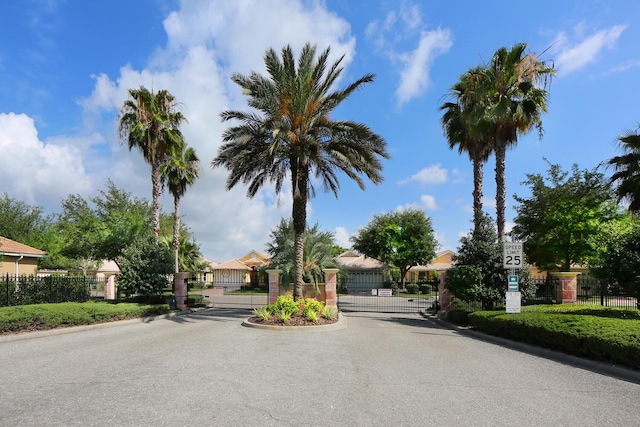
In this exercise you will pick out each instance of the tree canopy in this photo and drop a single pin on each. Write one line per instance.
(402, 239)
(563, 214)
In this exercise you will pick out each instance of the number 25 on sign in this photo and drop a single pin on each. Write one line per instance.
(513, 255)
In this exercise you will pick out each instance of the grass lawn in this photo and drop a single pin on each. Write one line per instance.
(592, 331)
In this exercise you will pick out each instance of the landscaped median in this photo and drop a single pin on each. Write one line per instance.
(49, 316)
(599, 333)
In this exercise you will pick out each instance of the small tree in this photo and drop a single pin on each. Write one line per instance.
(559, 221)
(144, 268)
(402, 239)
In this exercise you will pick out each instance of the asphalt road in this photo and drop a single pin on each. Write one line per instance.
(382, 370)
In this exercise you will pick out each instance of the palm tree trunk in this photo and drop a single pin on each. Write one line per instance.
(500, 187)
(299, 215)
(478, 176)
(156, 188)
(176, 230)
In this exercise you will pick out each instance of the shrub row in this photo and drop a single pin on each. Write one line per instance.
(49, 316)
(607, 335)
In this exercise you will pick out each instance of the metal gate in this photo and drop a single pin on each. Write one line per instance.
(236, 294)
(369, 291)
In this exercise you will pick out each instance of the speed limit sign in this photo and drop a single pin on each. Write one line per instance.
(512, 255)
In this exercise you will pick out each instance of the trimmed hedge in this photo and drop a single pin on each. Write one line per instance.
(49, 316)
(605, 334)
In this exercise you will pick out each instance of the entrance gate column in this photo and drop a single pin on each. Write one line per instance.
(330, 286)
(274, 285)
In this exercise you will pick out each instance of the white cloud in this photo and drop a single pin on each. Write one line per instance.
(414, 78)
(207, 40)
(434, 174)
(404, 25)
(429, 202)
(577, 54)
(342, 237)
(41, 173)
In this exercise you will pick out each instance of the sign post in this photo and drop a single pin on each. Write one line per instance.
(512, 260)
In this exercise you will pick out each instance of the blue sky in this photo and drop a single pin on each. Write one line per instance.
(65, 67)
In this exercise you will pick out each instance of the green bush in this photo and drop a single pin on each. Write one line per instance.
(284, 304)
(48, 316)
(588, 331)
(425, 288)
(310, 314)
(412, 288)
(330, 312)
(458, 317)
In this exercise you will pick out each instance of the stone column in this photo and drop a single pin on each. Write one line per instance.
(274, 285)
(566, 287)
(180, 286)
(446, 297)
(330, 287)
(110, 288)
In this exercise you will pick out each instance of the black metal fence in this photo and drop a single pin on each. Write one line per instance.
(589, 290)
(33, 289)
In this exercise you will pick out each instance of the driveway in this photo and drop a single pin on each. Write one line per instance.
(382, 370)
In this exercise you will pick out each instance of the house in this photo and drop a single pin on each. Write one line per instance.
(17, 258)
(362, 273)
(443, 261)
(239, 272)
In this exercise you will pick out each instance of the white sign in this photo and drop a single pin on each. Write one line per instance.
(513, 255)
(383, 292)
(513, 302)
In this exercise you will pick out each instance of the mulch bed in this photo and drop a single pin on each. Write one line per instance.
(294, 321)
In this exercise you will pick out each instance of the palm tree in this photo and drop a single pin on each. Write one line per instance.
(151, 122)
(512, 90)
(291, 135)
(458, 120)
(181, 169)
(627, 170)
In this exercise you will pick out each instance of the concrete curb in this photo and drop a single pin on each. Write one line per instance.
(71, 329)
(614, 371)
(340, 324)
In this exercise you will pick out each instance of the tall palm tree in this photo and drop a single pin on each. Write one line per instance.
(151, 122)
(513, 90)
(627, 170)
(458, 121)
(291, 135)
(180, 170)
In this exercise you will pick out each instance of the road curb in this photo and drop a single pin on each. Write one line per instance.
(615, 371)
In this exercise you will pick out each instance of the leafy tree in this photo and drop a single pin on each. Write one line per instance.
(478, 274)
(292, 135)
(180, 171)
(103, 226)
(144, 268)
(458, 121)
(564, 213)
(189, 255)
(617, 256)
(511, 89)
(151, 122)
(318, 252)
(22, 222)
(627, 170)
(401, 239)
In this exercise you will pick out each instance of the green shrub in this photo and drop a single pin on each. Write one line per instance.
(330, 312)
(412, 288)
(425, 288)
(600, 334)
(310, 314)
(286, 304)
(285, 316)
(262, 312)
(311, 304)
(458, 317)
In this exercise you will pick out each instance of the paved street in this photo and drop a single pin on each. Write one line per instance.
(382, 370)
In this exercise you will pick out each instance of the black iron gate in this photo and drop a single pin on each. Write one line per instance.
(373, 292)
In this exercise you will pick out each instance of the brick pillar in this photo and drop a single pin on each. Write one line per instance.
(566, 286)
(274, 285)
(180, 286)
(446, 297)
(110, 288)
(330, 287)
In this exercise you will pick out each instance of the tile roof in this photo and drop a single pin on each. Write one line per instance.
(11, 247)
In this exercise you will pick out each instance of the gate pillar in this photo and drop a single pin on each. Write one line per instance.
(110, 288)
(566, 287)
(446, 297)
(330, 287)
(180, 286)
(274, 285)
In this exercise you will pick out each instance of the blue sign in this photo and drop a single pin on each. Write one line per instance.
(513, 283)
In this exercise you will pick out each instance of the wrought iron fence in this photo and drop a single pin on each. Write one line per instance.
(589, 290)
(34, 289)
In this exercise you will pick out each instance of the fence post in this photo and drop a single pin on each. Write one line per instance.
(566, 287)
(274, 285)
(330, 286)
(181, 291)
